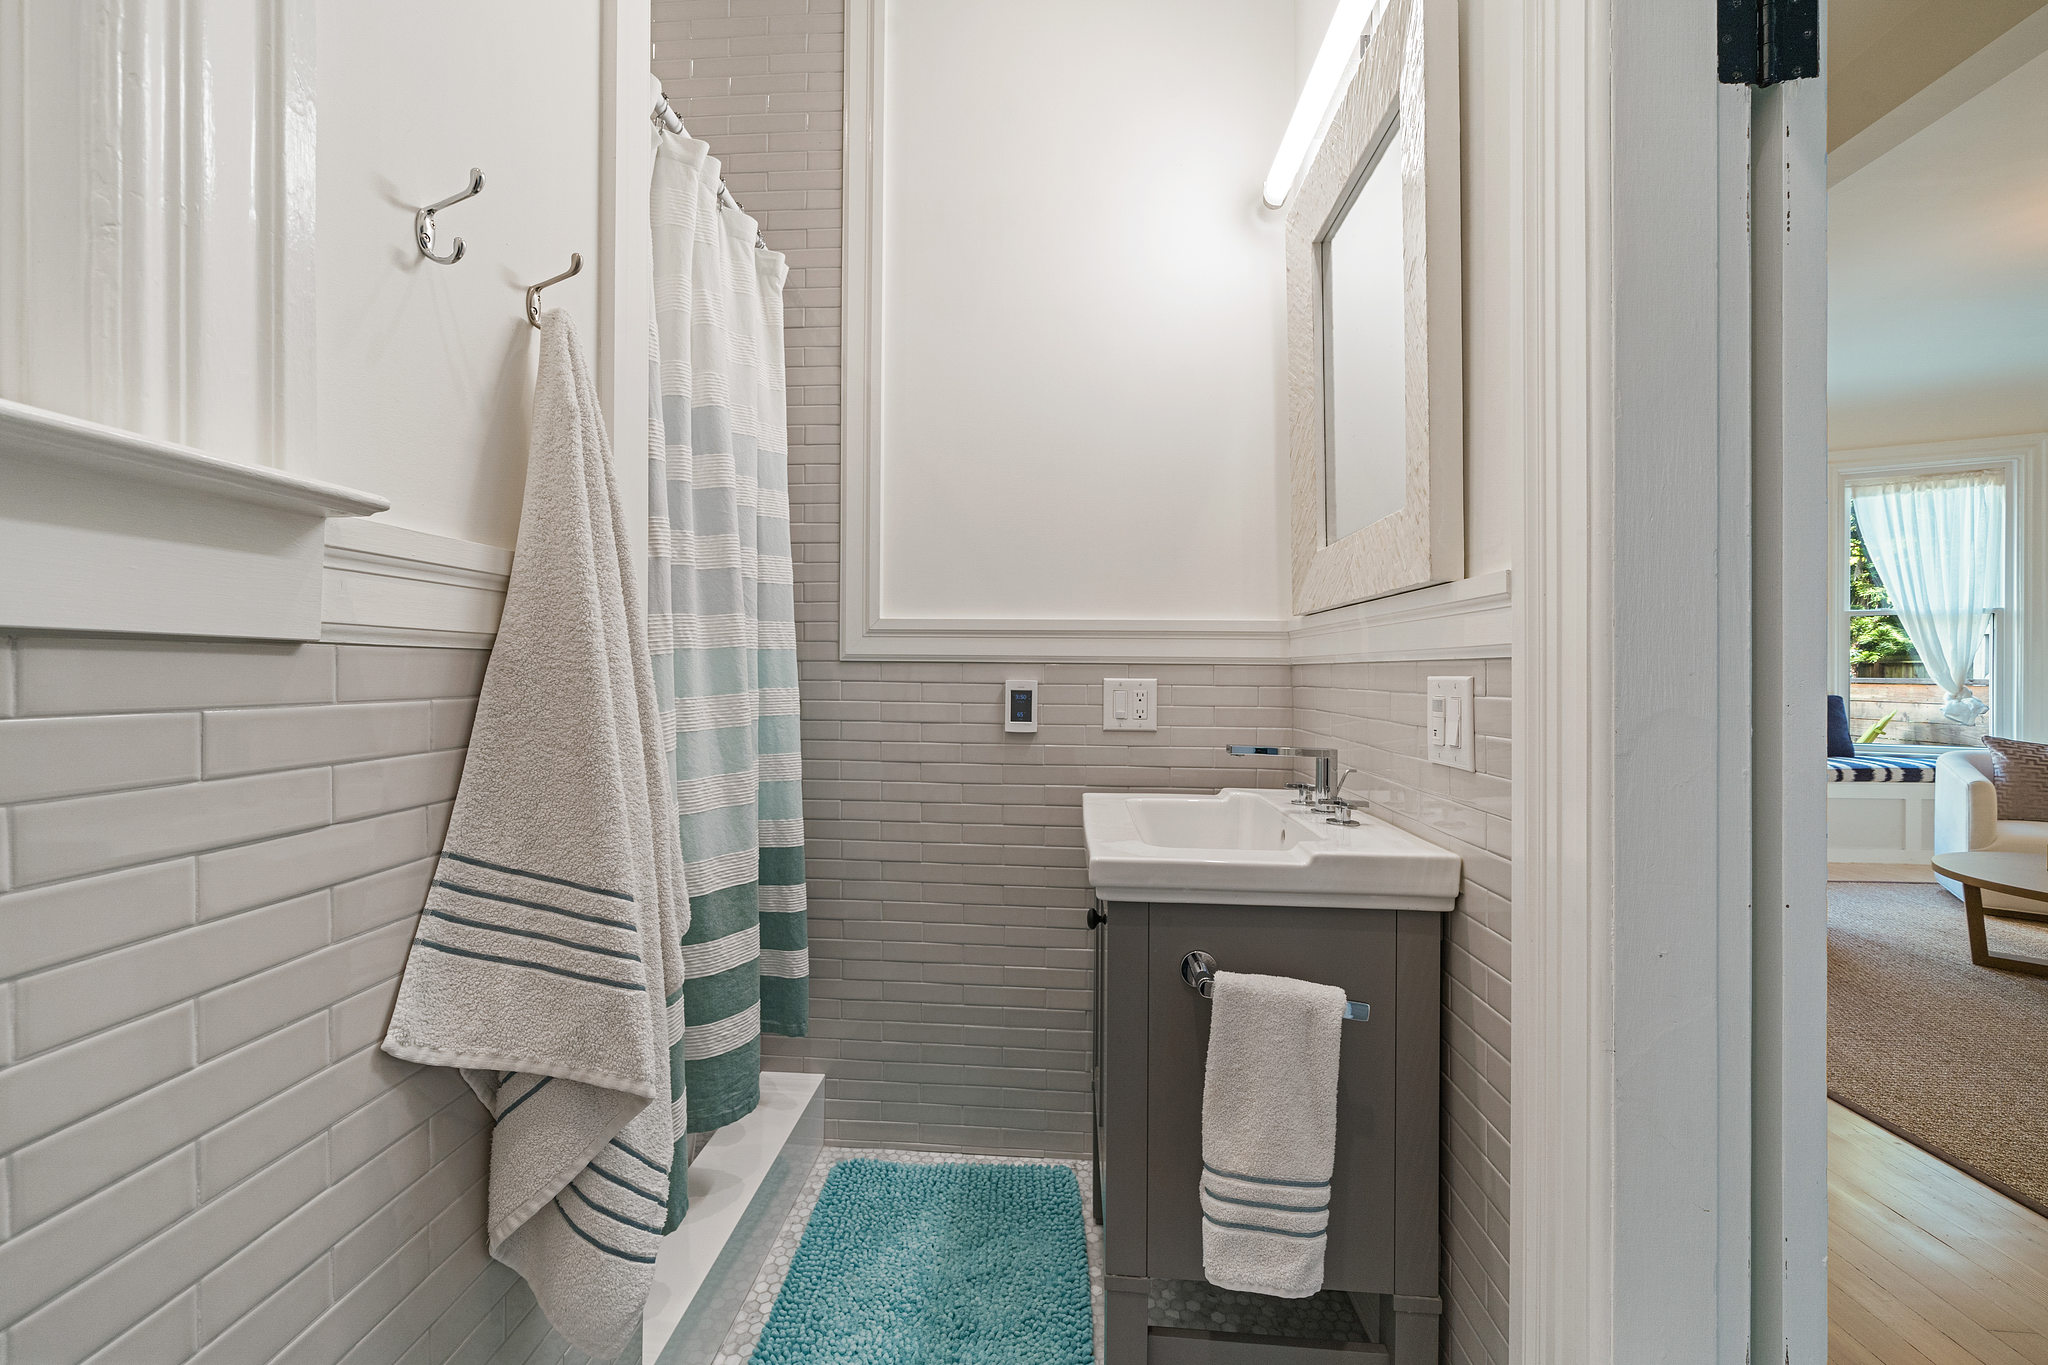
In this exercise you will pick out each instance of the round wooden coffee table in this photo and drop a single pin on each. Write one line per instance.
(2016, 874)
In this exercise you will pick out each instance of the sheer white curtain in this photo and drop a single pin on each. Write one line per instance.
(1937, 543)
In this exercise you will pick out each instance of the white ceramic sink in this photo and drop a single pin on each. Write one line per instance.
(1246, 847)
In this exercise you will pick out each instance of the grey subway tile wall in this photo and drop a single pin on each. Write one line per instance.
(211, 859)
(948, 879)
(1374, 715)
(948, 884)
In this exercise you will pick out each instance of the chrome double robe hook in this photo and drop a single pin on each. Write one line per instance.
(423, 221)
(533, 290)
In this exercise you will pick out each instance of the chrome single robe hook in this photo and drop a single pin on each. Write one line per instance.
(533, 290)
(423, 221)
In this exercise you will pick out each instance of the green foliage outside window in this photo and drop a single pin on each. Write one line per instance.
(1873, 640)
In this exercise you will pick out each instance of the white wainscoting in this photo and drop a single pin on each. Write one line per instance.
(159, 162)
(385, 584)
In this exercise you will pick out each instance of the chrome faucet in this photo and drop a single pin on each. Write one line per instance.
(1319, 797)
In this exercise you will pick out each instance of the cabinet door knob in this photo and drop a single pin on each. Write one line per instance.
(1096, 917)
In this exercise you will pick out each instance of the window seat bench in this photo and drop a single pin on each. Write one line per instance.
(1881, 804)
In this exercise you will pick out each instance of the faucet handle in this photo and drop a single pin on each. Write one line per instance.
(1340, 813)
(1301, 791)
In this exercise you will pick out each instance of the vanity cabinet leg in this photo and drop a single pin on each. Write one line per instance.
(1409, 1328)
(1126, 1310)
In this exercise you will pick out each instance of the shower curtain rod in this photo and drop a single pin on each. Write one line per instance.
(667, 118)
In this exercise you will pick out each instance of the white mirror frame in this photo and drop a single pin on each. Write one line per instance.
(1408, 76)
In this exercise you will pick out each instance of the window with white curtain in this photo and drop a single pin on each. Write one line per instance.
(1925, 618)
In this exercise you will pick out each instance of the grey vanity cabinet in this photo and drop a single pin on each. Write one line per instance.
(1152, 1036)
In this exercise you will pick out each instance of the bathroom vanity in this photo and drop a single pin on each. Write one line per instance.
(1261, 885)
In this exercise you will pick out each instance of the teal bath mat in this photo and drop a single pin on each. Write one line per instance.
(952, 1264)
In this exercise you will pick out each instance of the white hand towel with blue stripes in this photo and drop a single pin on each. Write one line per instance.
(1269, 1133)
(547, 964)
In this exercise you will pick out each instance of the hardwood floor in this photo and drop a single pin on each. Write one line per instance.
(1925, 1265)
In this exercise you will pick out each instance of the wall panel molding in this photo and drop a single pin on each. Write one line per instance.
(1472, 618)
(947, 493)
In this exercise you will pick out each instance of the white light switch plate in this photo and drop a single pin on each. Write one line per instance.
(1130, 703)
(1449, 718)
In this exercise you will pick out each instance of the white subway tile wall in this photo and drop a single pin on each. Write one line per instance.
(947, 877)
(211, 860)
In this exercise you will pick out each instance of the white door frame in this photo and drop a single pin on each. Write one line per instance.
(1792, 626)
(1670, 1124)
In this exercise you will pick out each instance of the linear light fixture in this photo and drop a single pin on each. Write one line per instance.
(1333, 58)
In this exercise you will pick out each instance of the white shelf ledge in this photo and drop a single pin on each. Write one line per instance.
(109, 532)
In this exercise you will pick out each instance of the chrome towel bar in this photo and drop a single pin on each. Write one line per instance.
(1198, 969)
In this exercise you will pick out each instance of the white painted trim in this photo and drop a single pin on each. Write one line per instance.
(386, 584)
(1561, 1163)
(625, 284)
(860, 576)
(1055, 641)
(1788, 817)
(108, 532)
(1472, 618)
(105, 531)
(1469, 619)
(2020, 687)
(116, 456)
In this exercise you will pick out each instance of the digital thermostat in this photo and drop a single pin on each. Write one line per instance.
(1020, 706)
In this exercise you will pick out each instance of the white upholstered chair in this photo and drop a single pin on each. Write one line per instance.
(1966, 820)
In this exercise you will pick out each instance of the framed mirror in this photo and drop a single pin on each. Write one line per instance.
(1375, 350)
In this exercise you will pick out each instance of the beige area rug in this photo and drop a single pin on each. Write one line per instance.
(1951, 1056)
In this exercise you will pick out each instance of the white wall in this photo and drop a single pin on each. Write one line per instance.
(1311, 21)
(1938, 277)
(1083, 315)
(207, 235)
(426, 371)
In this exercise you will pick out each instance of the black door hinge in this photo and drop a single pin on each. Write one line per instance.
(1764, 42)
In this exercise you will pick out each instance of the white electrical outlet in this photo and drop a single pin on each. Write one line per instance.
(1130, 703)
(1450, 722)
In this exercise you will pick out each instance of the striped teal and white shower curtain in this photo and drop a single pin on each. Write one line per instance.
(722, 628)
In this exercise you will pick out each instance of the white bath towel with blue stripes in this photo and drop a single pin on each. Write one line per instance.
(547, 964)
(1269, 1133)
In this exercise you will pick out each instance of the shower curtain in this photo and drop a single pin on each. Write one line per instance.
(722, 628)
